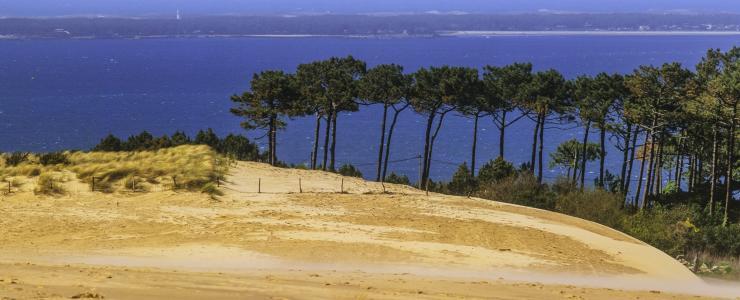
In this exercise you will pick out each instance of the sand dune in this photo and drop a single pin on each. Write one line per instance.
(293, 234)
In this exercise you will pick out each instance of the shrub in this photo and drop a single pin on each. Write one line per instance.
(48, 185)
(397, 179)
(595, 205)
(663, 228)
(239, 147)
(179, 138)
(207, 137)
(522, 189)
(16, 158)
(109, 144)
(349, 170)
(54, 158)
(463, 183)
(495, 170)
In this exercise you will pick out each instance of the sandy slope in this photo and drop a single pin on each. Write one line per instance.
(319, 244)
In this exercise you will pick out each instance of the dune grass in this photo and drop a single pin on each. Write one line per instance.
(184, 167)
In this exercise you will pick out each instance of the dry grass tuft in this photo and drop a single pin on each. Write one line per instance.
(50, 184)
(184, 167)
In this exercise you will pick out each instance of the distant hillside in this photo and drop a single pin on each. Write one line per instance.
(413, 24)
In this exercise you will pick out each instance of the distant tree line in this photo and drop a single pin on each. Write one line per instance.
(235, 146)
(680, 125)
(417, 24)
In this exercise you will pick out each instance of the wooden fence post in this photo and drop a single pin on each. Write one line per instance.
(300, 185)
(259, 185)
(9, 186)
(342, 188)
(174, 182)
(92, 189)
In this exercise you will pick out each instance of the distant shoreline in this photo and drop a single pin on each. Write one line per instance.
(584, 33)
(441, 34)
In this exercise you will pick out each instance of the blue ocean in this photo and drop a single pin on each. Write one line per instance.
(68, 94)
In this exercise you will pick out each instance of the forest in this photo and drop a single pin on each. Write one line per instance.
(676, 128)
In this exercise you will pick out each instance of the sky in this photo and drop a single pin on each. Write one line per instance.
(202, 7)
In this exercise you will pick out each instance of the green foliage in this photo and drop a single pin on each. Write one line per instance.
(179, 138)
(235, 146)
(671, 188)
(397, 179)
(53, 158)
(109, 144)
(495, 170)
(521, 189)
(570, 153)
(463, 183)
(207, 137)
(143, 141)
(349, 170)
(597, 205)
(16, 158)
(239, 147)
(718, 240)
(663, 228)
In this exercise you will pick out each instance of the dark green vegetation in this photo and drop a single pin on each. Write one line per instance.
(234, 146)
(676, 130)
(322, 24)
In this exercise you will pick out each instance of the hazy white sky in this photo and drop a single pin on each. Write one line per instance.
(148, 7)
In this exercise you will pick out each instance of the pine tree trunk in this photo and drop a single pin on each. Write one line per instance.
(542, 145)
(314, 154)
(333, 141)
(431, 147)
(388, 144)
(475, 144)
(270, 133)
(730, 165)
(502, 135)
(382, 142)
(584, 158)
(327, 135)
(659, 169)
(642, 171)
(628, 179)
(602, 154)
(651, 168)
(427, 140)
(576, 163)
(533, 161)
(713, 177)
(691, 173)
(625, 157)
(274, 141)
(680, 170)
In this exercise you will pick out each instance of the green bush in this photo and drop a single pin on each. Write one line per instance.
(495, 170)
(594, 205)
(397, 179)
(521, 189)
(667, 229)
(718, 240)
(54, 158)
(463, 183)
(349, 170)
